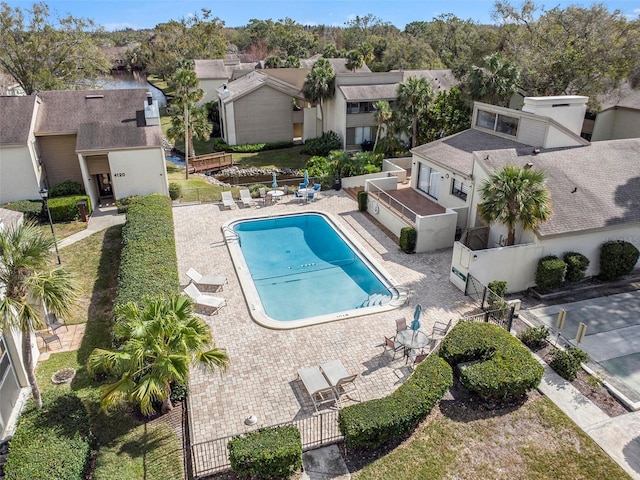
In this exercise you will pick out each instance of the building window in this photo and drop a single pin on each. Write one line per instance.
(428, 180)
(359, 107)
(459, 189)
(357, 135)
(353, 107)
(486, 119)
(497, 123)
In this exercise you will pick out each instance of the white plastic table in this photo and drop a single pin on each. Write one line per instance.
(275, 194)
(412, 339)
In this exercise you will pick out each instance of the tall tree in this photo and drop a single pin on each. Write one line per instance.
(320, 84)
(185, 86)
(382, 114)
(515, 195)
(45, 53)
(494, 82)
(200, 126)
(355, 60)
(162, 338)
(413, 100)
(449, 113)
(29, 281)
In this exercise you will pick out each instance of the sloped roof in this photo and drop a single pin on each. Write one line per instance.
(456, 151)
(369, 92)
(440, 79)
(340, 66)
(74, 111)
(207, 69)
(15, 120)
(254, 80)
(592, 187)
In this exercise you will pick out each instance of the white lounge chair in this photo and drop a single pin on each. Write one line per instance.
(227, 200)
(202, 300)
(317, 387)
(212, 282)
(245, 198)
(340, 380)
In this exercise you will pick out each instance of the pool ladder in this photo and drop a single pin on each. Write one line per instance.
(231, 235)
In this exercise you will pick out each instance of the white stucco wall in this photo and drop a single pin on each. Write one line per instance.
(558, 138)
(18, 179)
(138, 172)
(436, 231)
(567, 110)
(312, 128)
(335, 111)
(616, 123)
(210, 86)
(229, 123)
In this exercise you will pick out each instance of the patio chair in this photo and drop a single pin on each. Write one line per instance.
(340, 380)
(316, 189)
(54, 323)
(299, 195)
(263, 195)
(310, 195)
(46, 340)
(317, 387)
(401, 324)
(391, 344)
(245, 198)
(202, 300)
(213, 282)
(227, 200)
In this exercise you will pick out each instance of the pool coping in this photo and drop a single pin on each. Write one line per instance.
(254, 303)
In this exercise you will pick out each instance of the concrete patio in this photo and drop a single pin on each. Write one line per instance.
(261, 379)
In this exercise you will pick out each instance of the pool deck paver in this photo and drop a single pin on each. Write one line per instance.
(261, 378)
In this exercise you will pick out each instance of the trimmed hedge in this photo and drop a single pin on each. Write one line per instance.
(323, 145)
(373, 423)
(220, 145)
(550, 273)
(617, 258)
(175, 190)
(148, 263)
(566, 363)
(408, 239)
(362, 201)
(267, 453)
(51, 444)
(535, 337)
(65, 209)
(66, 189)
(577, 264)
(32, 209)
(494, 363)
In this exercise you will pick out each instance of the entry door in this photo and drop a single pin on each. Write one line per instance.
(104, 185)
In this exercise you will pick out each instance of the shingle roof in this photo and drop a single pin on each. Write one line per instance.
(441, 79)
(605, 176)
(206, 69)
(119, 112)
(15, 120)
(340, 66)
(369, 92)
(456, 151)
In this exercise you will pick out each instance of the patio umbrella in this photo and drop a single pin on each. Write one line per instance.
(415, 325)
(306, 178)
(274, 184)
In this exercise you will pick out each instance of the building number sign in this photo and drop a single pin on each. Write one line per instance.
(119, 174)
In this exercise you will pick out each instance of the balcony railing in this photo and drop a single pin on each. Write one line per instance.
(404, 212)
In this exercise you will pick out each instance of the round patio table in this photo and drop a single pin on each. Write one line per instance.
(275, 194)
(412, 339)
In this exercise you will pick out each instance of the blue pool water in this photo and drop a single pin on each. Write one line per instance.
(302, 267)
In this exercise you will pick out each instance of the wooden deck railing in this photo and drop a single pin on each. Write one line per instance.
(210, 162)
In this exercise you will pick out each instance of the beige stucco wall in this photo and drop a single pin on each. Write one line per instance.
(60, 159)
(18, 179)
(265, 116)
(616, 123)
(138, 172)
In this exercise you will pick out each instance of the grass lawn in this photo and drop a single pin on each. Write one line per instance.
(464, 441)
(126, 446)
(63, 229)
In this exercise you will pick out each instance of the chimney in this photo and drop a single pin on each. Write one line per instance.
(149, 98)
(567, 110)
(151, 111)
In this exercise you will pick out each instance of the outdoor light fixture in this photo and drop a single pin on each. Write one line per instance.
(44, 193)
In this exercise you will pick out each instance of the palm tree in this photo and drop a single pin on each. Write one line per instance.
(162, 338)
(320, 84)
(184, 84)
(355, 60)
(198, 121)
(383, 114)
(495, 81)
(413, 102)
(29, 281)
(515, 195)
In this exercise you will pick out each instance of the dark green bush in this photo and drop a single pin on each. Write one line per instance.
(499, 287)
(32, 209)
(535, 337)
(577, 264)
(617, 258)
(148, 264)
(567, 362)
(323, 145)
(66, 189)
(123, 203)
(373, 423)
(65, 209)
(267, 453)
(408, 238)
(220, 145)
(550, 273)
(362, 201)
(175, 190)
(491, 361)
(52, 443)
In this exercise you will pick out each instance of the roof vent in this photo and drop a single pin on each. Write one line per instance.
(93, 96)
(149, 98)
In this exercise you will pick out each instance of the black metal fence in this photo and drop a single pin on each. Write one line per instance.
(494, 308)
(212, 456)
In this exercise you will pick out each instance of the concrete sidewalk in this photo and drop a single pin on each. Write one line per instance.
(101, 219)
(619, 436)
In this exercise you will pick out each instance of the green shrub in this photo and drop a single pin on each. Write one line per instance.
(255, 189)
(52, 443)
(65, 209)
(567, 362)
(499, 287)
(123, 203)
(175, 190)
(219, 145)
(148, 264)
(267, 453)
(373, 423)
(550, 273)
(408, 238)
(362, 201)
(66, 189)
(535, 337)
(32, 209)
(491, 361)
(617, 258)
(323, 145)
(577, 264)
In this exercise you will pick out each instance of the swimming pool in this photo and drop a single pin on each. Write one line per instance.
(301, 269)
